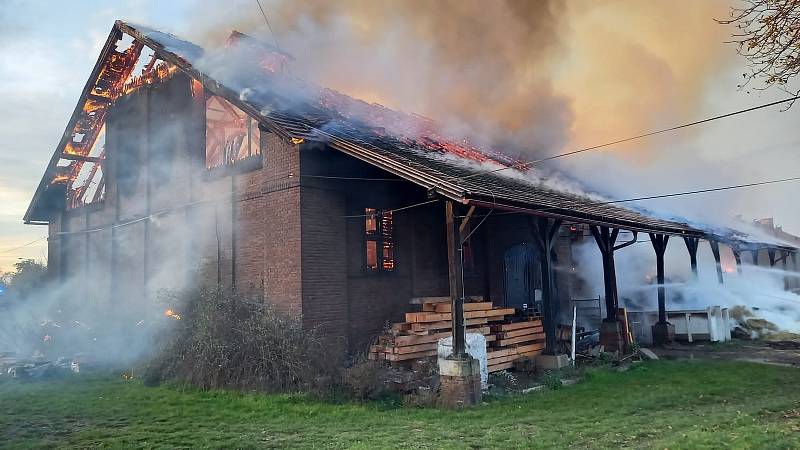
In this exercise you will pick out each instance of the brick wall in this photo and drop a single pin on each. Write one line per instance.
(235, 227)
(324, 259)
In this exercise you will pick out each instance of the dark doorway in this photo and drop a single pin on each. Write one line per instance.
(523, 276)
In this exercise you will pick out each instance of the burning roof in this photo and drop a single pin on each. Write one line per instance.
(252, 75)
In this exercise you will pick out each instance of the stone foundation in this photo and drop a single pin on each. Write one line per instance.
(460, 382)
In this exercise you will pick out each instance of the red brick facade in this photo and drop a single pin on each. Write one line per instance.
(274, 229)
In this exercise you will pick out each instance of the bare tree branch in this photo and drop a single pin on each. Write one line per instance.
(768, 35)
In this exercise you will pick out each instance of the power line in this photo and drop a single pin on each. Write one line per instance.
(9, 250)
(272, 33)
(702, 191)
(628, 139)
(393, 210)
(659, 196)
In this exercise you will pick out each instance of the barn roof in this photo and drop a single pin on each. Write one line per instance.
(408, 146)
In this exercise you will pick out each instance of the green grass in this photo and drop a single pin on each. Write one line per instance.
(664, 404)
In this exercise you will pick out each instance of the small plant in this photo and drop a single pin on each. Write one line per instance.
(551, 379)
(504, 380)
(364, 380)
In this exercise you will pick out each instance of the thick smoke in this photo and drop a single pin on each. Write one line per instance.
(88, 314)
(481, 70)
(756, 286)
(539, 78)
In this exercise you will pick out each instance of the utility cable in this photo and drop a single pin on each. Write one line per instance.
(9, 250)
(272, 33)
(524, 165)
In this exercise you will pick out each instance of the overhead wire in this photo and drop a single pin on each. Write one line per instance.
(272, 33)
(659, 196)
(9, 250)
(523, 165)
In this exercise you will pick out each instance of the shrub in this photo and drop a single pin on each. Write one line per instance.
(365, 380)
(551, 379)
(224, 339)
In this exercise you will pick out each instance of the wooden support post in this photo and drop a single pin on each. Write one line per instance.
(663, 331)
(605, 239)
(691, 245)
(737, 255)
(771, 255)
(545, 230)
(717, 258)
(659, 242)
(455, 272)
(611, 332)
(754, 252)
(785, 262)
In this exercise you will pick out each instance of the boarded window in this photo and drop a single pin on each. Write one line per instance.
(379, 238)
(231, 135)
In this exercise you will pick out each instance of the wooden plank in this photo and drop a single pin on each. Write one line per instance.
(419, 317)
(499, 367)
(478, 306)
(408, 356)
(423, 300)
(505, 359)
(489, 313)
(514, 350)
(414, 348)
(400, 341)
(444, 325)
(517, 340)
(520, 332)
(518, 325)
(400, 327)
(416, 317)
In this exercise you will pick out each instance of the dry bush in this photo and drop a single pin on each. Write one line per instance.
(226, 340)
(365, 380)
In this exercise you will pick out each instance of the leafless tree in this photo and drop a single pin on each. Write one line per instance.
(768, 35)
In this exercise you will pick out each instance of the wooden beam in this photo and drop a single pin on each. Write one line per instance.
(455, 273)
(660, 242)
(465, 220)
(73, 157)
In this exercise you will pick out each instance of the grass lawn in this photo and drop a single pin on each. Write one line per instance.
(663, 404)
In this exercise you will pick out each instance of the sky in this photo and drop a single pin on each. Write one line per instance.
(545, 77)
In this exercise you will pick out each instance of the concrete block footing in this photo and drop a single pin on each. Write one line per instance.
(551, 362)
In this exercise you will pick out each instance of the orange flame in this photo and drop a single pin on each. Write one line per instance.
(172, 314)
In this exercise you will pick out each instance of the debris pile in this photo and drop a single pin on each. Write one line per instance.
(36, 367)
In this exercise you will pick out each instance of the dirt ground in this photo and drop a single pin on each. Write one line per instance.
(783, 353)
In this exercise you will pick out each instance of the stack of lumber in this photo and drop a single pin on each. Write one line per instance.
(418, 337)
(513, 341)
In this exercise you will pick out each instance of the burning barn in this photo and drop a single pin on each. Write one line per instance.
(180, 161)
